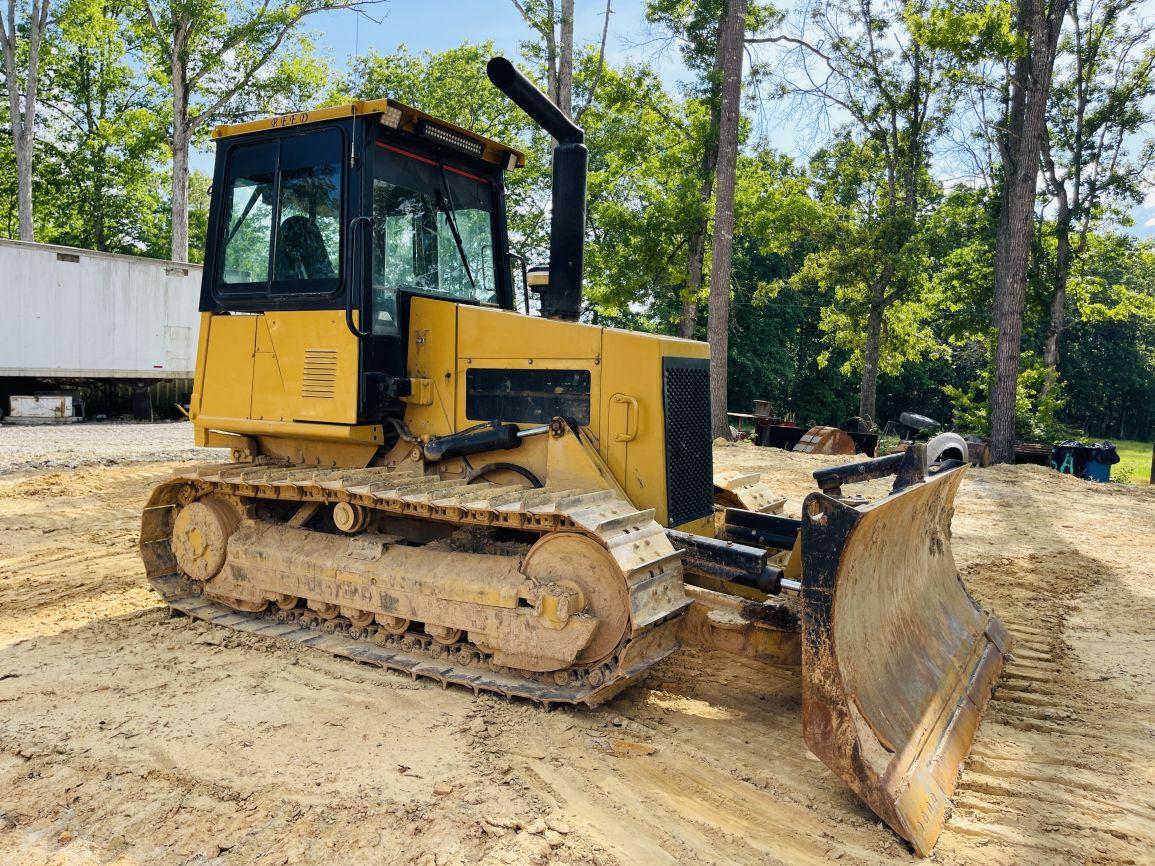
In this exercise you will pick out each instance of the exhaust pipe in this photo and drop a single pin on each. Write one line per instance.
(570, 161)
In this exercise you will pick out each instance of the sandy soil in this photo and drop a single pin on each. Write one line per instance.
(128, 737)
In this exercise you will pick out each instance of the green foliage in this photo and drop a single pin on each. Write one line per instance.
(1035, 415)
(1108, 358)
(1122, 475)
(971, 31)
(1134, 466)
(811, 239)
(103, 166)
(240, 59)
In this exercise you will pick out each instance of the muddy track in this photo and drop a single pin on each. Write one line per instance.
(648, 567)
(127, 736)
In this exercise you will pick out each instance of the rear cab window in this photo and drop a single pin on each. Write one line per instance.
(281, 217)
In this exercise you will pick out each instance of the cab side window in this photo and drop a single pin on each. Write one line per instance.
(248, 216)
(282, 217)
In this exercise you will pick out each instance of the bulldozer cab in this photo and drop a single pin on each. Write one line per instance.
(351, 212)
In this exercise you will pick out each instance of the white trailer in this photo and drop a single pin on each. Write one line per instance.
(79, 314)
(74, 318)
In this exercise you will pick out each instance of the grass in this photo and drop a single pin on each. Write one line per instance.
(1134, 462)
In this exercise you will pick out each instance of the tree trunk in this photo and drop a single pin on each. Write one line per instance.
(23, 145)
(868, 392)
(1026, 124)
(180, 157)
(549, 32)
(731, 45)
(1058, 306)
(1011, 256)
(23, 118)
(181, 140)
(695, 265)
(688, 323)
(565, 59)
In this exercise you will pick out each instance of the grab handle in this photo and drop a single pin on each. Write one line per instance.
(351, 285)
(632, 411)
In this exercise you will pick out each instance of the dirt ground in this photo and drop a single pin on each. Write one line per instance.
(127, 737)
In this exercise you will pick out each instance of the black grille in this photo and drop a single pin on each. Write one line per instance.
(689, 455)
(530, 396)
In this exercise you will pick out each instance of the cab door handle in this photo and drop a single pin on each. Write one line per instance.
(632, 412)
(355, 288)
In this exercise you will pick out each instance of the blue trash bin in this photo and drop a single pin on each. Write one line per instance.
(1091, 462)
(1099, 462)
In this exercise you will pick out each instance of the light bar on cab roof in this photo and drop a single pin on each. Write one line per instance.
(391, 117)
(448, 137)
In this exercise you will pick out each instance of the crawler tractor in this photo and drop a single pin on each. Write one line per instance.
(426, 479)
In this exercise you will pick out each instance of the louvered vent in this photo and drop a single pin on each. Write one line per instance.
(320, 374)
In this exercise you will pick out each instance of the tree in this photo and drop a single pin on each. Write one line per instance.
(696, 25)
(1108, 365)
(554, 23)
(732, 49)
(22, 104)
(103, 141)
(1100, 99)
(643, 150)
(1038, 24)
(876, 64)
(222, 61)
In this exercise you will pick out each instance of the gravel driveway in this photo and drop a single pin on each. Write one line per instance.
(68, 446)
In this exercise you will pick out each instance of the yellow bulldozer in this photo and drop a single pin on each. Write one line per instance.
(427, 479)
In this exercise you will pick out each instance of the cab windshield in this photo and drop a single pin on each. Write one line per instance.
(432, 233)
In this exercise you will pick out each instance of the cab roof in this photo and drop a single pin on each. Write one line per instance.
(391, 113)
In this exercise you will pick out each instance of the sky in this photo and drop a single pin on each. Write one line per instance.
(436, 25)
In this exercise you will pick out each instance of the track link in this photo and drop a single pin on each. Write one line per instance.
(650, 567)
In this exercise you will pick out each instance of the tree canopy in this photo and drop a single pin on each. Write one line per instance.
(863, 266)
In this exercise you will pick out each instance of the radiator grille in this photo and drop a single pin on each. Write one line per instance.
(689, 455)
(319, 377)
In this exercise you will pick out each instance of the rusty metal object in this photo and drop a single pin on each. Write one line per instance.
(825, 440)
(767, 631)
(898, 660)
(727, 561)
(350, 517)
(200, 536)
(570, 561)
(979, 454)
(602, 569)
(768, 530)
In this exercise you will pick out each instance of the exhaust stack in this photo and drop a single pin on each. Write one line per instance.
(562, 299)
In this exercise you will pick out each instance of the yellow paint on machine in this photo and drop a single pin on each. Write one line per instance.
(294, 375)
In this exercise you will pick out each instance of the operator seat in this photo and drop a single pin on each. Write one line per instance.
(301, 253)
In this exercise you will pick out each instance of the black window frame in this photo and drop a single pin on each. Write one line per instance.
(363, 133)
(273, 293)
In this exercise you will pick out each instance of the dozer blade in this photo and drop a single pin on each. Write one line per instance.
(898, 660)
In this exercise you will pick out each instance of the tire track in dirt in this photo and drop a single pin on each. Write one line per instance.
(127, 735)
(1051, 774)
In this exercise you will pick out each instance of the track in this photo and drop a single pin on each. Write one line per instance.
(649, 566)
